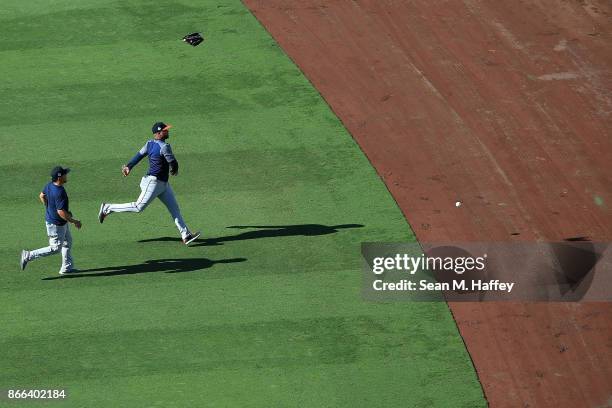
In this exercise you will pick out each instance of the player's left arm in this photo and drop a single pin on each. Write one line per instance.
(166, 151)
(61, 203)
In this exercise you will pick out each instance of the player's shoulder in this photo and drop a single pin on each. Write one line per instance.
(164, 146)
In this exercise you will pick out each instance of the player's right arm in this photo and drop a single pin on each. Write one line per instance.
(43, 195)
(135, 160)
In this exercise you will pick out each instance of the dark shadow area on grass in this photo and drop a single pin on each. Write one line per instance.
(264, 231)
(154, 265)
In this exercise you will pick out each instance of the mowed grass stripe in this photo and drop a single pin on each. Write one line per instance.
(247, 318)
(300, 296)
(116, 100)
(262, 386)
(110, 22)
(202, 132)
(298, 342)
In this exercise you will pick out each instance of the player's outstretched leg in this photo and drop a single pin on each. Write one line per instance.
(150, 188)
(56, 234)
(106, 209)
(169, 200)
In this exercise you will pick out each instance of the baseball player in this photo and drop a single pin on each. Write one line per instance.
(57, 217)
(155, 183)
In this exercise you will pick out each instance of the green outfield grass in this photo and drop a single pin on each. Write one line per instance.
(257, 317)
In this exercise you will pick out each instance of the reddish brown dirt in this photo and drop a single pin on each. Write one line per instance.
(505, 106)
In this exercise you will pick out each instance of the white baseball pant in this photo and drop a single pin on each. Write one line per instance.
(151, 188)
(60, 239)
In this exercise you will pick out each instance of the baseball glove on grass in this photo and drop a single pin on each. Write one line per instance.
(193, 38)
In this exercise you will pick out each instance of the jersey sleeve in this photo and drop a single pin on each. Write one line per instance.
(138, 156)
(166, 151)
(144, 149)
(45, 192)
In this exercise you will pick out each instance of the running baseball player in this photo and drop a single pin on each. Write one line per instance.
(155, 183)
(57, 217)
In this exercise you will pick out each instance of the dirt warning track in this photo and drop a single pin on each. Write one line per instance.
(504, 106)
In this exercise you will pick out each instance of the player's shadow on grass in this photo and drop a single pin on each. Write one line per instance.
(155, 265)
(264, 231)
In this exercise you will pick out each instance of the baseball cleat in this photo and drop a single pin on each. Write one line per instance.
(24, 259)
(69, 271)
(101, 214)
(191, 237)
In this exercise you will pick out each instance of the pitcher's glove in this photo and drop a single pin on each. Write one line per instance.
(193, 39)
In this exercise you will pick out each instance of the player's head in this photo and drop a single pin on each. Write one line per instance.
(59, 175)
(160, 131)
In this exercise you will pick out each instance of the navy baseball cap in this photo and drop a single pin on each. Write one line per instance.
(58, 171)
(159, 126)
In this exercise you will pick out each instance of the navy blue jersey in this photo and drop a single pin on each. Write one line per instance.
(161, 159)
(57, 199)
